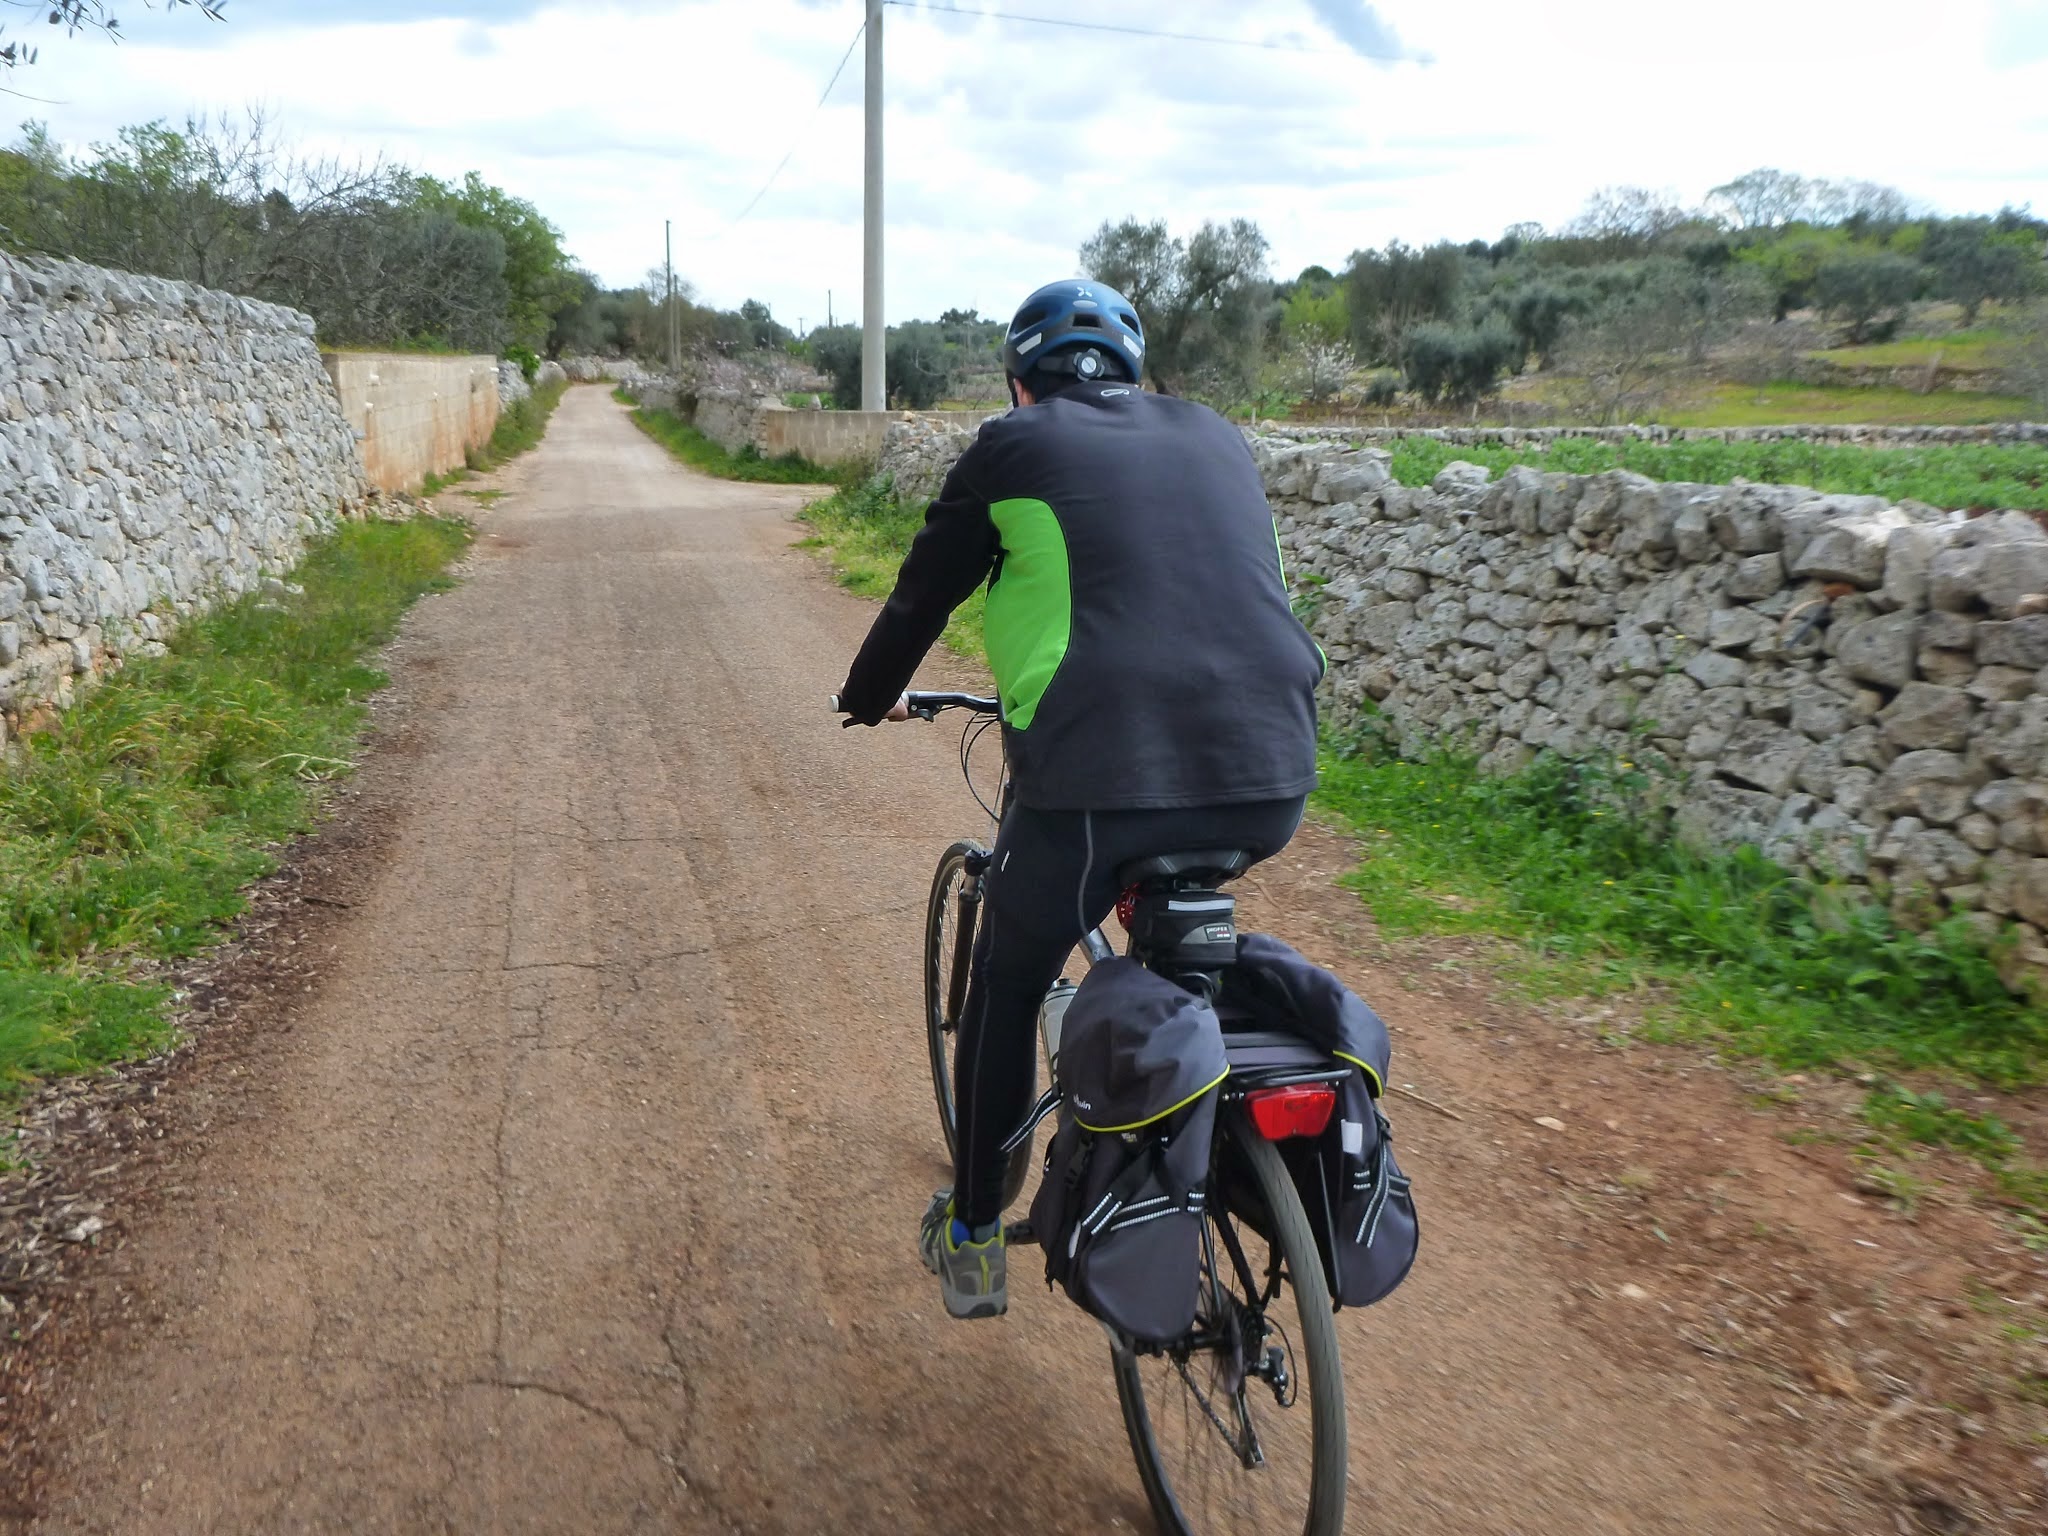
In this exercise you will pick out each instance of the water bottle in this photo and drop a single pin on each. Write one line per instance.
(1051, 1014)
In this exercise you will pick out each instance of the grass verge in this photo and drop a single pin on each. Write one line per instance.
(1964, 475)
(683, 440)
(521, 425)
(864, 531)
(130, 826)
(1773, 405)
(1575, 864)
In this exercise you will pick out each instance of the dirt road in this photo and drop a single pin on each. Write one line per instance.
(579, 1192)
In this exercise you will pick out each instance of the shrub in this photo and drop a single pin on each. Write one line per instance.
(1459, 363)
(1859, 284)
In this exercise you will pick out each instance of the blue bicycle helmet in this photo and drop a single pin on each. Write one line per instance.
(1076, 327)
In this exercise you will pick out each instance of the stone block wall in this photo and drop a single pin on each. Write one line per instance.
(1846, 684)
(2009, 432)
(160, 445)
(413, 414)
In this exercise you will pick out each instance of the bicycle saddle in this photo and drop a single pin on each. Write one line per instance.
(1218, 863)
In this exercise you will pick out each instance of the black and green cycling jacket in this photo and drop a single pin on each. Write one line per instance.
(1138, 624)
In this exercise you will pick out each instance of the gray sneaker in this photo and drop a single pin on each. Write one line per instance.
(973, 1277)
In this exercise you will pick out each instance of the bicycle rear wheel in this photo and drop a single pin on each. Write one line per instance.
(1225, 1441)
(951, 918)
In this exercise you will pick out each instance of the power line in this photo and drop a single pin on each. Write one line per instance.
(784, 161)
(946, 9)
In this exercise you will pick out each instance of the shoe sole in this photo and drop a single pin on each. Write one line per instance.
(974, 1306)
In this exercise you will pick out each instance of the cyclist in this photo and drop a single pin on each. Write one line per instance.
(1158, 693)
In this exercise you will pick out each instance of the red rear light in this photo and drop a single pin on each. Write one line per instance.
(1127, 907)
(1302, 1110)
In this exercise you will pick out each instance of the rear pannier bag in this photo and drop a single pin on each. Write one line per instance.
(1120, 1209)
(1357, 1198)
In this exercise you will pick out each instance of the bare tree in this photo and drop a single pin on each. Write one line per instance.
(1761, 199)
(1625, 357)
(1628, 218)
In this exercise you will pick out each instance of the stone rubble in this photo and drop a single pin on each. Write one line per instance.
(162, 446)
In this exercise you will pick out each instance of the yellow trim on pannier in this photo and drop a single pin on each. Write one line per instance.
(1108, 1130)
(1379, 1087)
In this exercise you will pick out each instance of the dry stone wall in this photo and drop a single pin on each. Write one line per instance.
(2010, 432)
(1847, 684)
(1843, 683)
(161, 445)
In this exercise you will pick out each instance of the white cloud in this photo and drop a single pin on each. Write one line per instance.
(1008, 143)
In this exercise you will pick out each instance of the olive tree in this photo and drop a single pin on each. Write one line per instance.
(1860, 284)
(1202, 300)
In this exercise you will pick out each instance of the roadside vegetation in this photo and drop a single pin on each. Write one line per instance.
(130, 826)
(1574, 866)
(1960, 475)
(864, 531)
(521, 425)
(693, 448)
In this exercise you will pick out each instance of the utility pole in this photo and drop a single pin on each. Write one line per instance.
(828, 309)
(874, 384)
(668, 264)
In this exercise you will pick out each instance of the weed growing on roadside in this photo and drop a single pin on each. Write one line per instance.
(1577, 861)
(129, 827)
(865, 531)
(701, 453)
(521, 425)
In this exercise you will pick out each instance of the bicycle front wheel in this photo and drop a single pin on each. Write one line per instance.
(1239, 1428)
(949, 924)
(951, 917)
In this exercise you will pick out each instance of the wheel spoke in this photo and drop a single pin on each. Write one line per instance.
(1236, 1429)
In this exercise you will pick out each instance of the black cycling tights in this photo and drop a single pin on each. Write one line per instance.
(1053, 879)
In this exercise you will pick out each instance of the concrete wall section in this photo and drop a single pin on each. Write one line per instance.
(415, 415)
(842, 437)
(824, 437)
(160, 445)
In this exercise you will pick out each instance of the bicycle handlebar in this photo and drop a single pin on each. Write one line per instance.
(928, 706)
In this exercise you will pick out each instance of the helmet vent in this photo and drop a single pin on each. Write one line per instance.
(1089, 322)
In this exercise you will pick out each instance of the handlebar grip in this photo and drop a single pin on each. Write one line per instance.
(835, 704)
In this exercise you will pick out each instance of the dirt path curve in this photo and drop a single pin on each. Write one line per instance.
(580, 1194)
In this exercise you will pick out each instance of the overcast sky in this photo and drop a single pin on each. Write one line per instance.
(1009, 143)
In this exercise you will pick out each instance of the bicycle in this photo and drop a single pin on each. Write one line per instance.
(1235, 1426)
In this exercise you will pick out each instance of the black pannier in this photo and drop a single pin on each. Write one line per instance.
(1357, 1198)
(1120, 1209)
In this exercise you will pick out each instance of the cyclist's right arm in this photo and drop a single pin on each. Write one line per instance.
(951, 556)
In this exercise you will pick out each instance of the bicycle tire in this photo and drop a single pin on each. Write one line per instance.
(1242, 1505)
(944, 951)
(941, 951)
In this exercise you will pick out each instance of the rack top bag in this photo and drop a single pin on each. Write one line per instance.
(1134, 1048)
(1278, 985)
